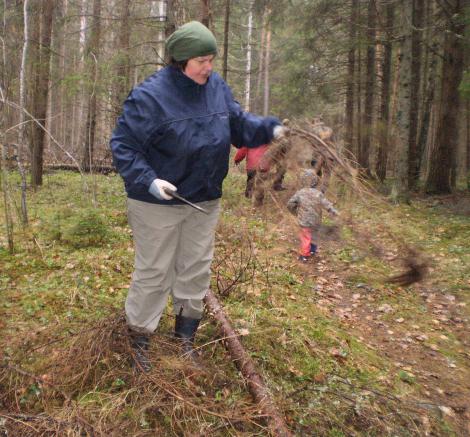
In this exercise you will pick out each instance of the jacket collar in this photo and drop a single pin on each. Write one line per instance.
(184, 81)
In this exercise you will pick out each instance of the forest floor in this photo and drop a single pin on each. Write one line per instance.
(343, 352)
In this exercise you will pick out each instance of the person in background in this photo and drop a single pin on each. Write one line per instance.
(277, 156)
(174, 134)
(256, 170)
(307, 204)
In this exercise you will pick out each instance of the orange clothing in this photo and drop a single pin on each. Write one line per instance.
(254, 158)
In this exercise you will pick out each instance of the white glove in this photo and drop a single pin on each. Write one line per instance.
(280, 132)
(156, 189)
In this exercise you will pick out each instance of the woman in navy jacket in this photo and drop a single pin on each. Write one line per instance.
(175, 132)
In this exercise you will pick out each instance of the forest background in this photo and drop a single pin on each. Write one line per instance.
(389, 76)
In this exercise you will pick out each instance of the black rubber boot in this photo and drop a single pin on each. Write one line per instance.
(140, 346)
(185, 330)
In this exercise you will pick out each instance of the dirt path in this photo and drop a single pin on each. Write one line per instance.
(441, 369)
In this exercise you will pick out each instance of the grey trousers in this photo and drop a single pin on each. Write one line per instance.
(174, 246)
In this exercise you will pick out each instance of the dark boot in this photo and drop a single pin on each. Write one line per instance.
(185, 330)
(140, 346)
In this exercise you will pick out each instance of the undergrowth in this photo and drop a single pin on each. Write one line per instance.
(65, 357)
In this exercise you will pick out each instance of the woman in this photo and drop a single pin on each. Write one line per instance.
(175, 133)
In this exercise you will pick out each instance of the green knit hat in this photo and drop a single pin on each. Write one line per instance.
(191, 40)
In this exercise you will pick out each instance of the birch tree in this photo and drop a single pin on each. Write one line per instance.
(248, 57)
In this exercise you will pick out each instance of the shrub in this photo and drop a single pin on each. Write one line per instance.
(87, 229)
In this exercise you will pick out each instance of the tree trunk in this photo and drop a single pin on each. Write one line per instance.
(41, 93)
(245, 365)
(358, 101)
(416, 37)
(428, 83)
(349, 110)
(467, 125)
(92, 56)
(400, 190)
(364, 150)
(438, 179)
(429, 92)
(266, 66)
(248, 57)
(21, 128)
(123, 62)
(260, 74)
(226, 33)
(385, 95)
(205, 13)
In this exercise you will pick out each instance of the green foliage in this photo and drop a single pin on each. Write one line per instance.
(87, 229)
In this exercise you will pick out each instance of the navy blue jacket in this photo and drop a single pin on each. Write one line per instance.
(174, 129)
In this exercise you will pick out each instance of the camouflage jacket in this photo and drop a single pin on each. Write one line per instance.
(307, 204)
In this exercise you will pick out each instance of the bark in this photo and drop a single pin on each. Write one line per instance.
(349, 110)
(248, 58)
(467, 125)
(358, 101)
(79, 105)
(61, 100)
(158, 10)
(364, 150)
(123, 69)
(266, 66)
(416, 37)
(438, 179)
(261, 59)
(41, 93)
(226, 33)
(22, 127)
(400, 190)
(245, 365)
(92, 56)
(205, 13)
(425, 125)
(385, 103)
(6, 194)
(428, 81)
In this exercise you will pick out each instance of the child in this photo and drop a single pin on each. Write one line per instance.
(255, 165)
(307, 204)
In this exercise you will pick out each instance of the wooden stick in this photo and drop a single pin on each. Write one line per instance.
(245, 365)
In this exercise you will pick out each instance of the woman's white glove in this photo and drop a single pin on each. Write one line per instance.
(157, 186)
(280, 132)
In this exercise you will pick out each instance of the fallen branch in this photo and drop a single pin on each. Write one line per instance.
(245, 365)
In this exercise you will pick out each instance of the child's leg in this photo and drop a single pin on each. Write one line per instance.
(313, 246)
(305, 236)
(250, 182)
(260, 182)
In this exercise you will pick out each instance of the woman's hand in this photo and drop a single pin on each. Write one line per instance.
(157, 189)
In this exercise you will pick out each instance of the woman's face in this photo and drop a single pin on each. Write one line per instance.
(199, 69)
